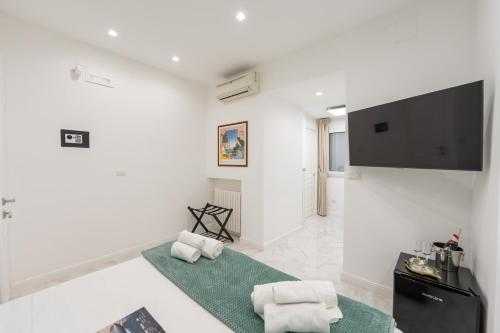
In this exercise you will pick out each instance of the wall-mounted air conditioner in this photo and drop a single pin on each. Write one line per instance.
(241, 86)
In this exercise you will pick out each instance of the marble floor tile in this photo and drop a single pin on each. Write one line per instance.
(315, 252)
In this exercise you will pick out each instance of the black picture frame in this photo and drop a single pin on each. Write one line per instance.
(220, 129)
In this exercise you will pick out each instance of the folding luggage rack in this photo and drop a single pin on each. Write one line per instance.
(215, 212)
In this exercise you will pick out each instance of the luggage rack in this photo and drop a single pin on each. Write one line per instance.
(215, 212)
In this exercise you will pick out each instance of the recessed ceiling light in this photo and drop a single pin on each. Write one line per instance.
(176, 59)
(319, 93)
(337, 111)
(112, 33)
(240, 16)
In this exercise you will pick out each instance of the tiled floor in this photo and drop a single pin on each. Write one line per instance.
(313, 252)
(316, 252)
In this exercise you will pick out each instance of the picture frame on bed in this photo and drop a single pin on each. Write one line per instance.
(232, 144)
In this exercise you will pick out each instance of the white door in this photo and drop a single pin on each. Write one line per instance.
(310, 159)
(4, 207)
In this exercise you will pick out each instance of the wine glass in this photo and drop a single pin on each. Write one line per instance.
(417, 248)
(426, 250)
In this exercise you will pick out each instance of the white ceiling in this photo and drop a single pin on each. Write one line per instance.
(303, 94)
(203, 33)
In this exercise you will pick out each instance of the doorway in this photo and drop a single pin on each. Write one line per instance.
(320, 97)
(310, 167)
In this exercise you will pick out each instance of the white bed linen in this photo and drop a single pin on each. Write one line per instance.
(93, 301)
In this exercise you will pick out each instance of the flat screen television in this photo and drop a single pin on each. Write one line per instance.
(439, 130)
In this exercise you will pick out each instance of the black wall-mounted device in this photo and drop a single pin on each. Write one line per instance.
(72, 138)
(440, 130)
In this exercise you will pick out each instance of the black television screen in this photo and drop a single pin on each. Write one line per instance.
(439, 130)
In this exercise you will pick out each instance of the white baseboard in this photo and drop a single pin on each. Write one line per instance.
(255, 244)
(360, 282)
(266, 244)
(41, 281)
(251, 243)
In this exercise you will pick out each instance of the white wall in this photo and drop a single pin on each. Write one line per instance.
(395, 207)
(485, 216)
(335, 181)
(226, 184)
(4, 225)
(423, 48)
(70, 205)
(271, 185)
(251, 177)
(282, 170)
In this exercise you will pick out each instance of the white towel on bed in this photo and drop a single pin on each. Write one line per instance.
(264, 294)
(334, 314)
(185, 252)
(210, 248)
(189, 238)
(301, 317)
(287, 293)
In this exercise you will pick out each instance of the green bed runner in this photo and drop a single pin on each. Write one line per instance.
(223, 287)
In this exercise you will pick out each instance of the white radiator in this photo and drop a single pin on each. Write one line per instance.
(230, 199)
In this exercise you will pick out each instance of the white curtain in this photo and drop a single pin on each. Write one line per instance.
(323, 161)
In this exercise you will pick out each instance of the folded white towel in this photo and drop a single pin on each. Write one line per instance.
(263, 294)
(301, 317)
(287, 293)
(326, 292)
(185, 252)
(212, 248)
(334, 314)
(192, 239)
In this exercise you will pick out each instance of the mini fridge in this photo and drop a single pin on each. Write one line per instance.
(425, 305)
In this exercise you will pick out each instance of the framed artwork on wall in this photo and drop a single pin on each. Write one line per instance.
(232, 146)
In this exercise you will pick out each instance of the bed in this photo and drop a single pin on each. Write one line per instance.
(91, 302)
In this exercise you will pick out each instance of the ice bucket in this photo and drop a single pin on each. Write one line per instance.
(447, 259)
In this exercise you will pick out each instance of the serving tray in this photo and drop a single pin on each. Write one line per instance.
(424, 269)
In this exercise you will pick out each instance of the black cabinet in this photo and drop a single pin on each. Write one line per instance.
(423, 304)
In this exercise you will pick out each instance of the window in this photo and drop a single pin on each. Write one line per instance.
(337, 151)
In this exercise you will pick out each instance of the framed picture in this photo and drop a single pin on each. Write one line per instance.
(232, 147)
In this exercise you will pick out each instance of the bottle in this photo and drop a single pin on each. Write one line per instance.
(453, 242)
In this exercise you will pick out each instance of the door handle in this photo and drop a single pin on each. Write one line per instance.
(6, 201)
(6, 215)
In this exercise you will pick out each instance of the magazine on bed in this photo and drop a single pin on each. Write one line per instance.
(139, 321)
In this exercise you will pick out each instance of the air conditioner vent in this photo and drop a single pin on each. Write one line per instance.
(238, 87)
